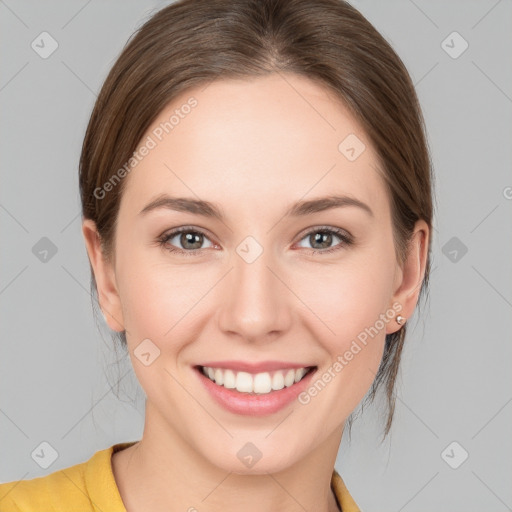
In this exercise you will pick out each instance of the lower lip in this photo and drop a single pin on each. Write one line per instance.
(252, 404)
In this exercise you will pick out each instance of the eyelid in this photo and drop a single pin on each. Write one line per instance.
(318, 228)
(171, 233)
(345, 237)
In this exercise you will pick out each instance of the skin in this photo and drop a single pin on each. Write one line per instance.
(253, 147)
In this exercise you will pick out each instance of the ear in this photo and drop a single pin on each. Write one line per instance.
(108, 295)
(409, 276)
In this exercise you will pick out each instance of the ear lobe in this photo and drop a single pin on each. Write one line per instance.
(412, 271)
(108, 295)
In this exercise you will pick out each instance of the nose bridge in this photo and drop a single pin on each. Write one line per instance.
(256, 304)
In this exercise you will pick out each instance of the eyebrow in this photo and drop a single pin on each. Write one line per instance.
(208, 209)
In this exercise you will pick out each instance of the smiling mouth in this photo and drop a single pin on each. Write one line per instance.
(255, 384)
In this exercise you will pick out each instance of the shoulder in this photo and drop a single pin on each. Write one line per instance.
(73, 488)
(342, 494)
(59, 489)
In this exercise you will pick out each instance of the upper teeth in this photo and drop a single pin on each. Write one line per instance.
(258, 383)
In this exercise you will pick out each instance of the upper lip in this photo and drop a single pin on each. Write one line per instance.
(263, 366)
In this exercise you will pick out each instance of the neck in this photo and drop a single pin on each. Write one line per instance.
(162, 472)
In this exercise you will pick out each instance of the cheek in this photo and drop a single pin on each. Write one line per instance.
(354, 308)
(154, 294)
(158, 304)
(348, 297)
(158, 298)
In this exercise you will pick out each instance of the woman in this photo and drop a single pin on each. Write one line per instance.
(257, 210)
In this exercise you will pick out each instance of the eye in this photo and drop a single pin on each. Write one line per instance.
(190, 239)
(321, 239)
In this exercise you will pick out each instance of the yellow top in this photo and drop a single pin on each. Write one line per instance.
(91, 487)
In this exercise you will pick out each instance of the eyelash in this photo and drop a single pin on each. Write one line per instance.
(343, 235)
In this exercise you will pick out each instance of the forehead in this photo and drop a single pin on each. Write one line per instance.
(263, 141)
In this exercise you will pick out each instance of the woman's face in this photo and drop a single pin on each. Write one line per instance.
(245, 286)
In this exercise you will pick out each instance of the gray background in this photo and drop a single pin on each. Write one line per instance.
(58, 370)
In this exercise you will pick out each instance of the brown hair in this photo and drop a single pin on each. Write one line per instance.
(193, 42)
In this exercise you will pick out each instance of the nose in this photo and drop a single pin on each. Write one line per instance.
(256, 303)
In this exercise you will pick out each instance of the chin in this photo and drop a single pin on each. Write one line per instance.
(250, 461)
